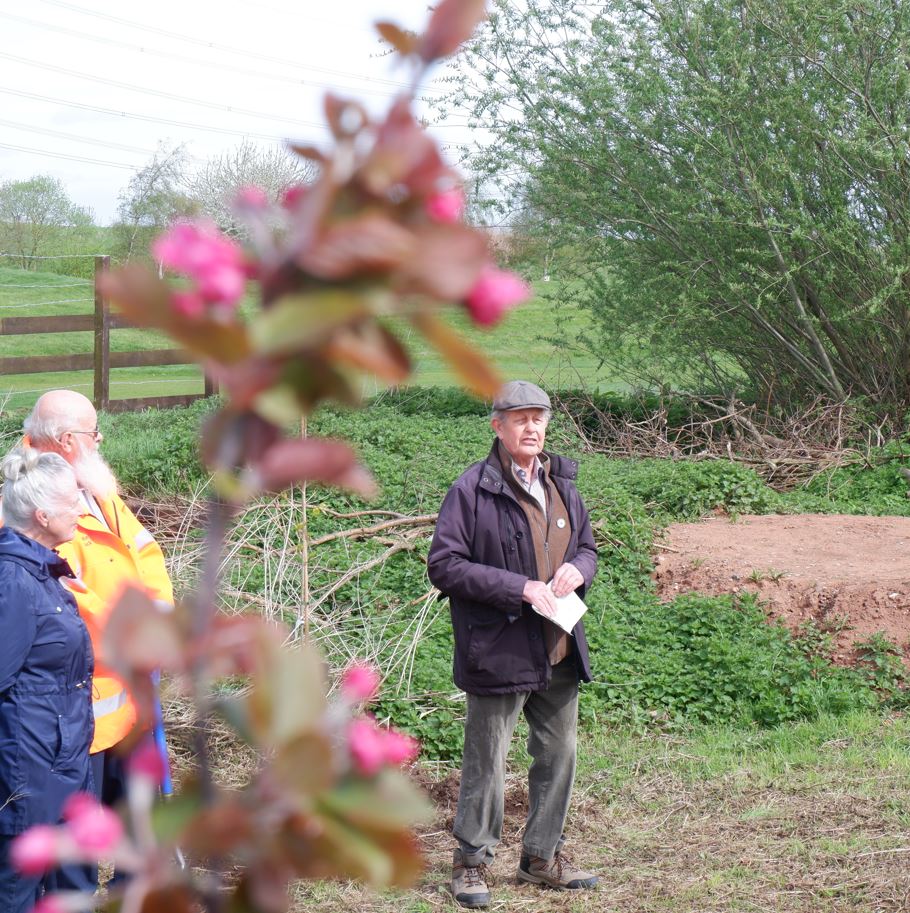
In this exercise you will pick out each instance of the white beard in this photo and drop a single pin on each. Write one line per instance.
(94, 475)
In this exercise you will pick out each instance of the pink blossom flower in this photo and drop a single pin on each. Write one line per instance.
(400, 748)
(446, 206)
(188, 304)
(366, 745)
(360, 682)
(50, 903)
(94, 828)
(293, 195)
(79, 804)
(222, 283)
(148, 762)
(373, 748)
(252, 197)
(200, 251)
(495, 292)
(36, 850)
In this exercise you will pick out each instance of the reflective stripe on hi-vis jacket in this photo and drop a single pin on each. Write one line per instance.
(106, 557)
(108, 705)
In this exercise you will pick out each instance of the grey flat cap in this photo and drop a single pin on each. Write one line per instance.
(520, 394)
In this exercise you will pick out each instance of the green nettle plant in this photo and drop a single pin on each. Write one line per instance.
(378, 233)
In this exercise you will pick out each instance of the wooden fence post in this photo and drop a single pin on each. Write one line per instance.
(102, 339)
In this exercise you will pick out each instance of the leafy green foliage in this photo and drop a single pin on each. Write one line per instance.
(693, 659)
(724, 180)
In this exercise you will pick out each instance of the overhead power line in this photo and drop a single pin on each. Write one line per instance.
(72, 158)
(213, 45)
(156, 92)
(147, 117)
(182, 58)
(74, 138)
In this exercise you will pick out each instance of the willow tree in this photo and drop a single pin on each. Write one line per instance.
(729, 179)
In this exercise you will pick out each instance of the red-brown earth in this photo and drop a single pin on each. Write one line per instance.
(849, 575)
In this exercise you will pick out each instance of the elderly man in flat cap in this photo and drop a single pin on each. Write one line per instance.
(510, 525)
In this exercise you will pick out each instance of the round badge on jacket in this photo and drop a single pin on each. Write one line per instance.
(560, 523)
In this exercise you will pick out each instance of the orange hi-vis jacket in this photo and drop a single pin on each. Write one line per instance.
(103, 561)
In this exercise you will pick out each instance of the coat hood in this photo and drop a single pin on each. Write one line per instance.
(38, 560)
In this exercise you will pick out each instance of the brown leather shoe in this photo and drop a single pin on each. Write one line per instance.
(469, 883)
(558, 872)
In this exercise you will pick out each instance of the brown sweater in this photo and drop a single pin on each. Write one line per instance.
(550, 538)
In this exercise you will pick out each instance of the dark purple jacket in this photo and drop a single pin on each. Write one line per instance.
(481, 557)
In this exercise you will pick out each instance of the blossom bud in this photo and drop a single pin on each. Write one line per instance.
(50, 903)
(35, 851)
(252, 197)
(400, 748)
(95, 829)
(360, 682)
(202, 252)
(293, 195)
(188, 304)
(495, 292)
(446, 206)
(147, 762)
(366, 745)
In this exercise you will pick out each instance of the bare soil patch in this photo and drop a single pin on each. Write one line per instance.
(849, 575)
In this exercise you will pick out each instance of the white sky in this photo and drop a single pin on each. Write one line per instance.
(258, 68)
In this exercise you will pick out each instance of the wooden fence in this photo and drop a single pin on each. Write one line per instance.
(102, 359)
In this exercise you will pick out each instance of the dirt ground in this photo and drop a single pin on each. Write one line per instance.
(850, 575)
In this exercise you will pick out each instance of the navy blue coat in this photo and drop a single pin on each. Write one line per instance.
(481, 557)
(46, 664)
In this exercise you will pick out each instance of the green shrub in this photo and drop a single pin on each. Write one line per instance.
(695, 659)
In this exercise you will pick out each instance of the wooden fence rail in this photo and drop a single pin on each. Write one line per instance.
(102, 359)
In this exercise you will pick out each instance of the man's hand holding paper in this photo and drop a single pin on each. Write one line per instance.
(556, 600)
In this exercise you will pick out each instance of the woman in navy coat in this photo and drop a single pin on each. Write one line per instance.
(46, 661)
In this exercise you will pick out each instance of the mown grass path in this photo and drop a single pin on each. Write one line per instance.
(805, 818)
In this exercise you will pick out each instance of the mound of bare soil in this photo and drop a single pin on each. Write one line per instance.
(850, 575)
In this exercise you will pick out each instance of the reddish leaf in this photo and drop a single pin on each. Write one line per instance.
(452, 23)
(174, 898)
(448, 262)
(367, 243)
(139, 638)
(218, 829)
(346, 117)
(266, 886)
(240, 644)
(305, 764)
(470, 366)
(311, 459)
(403, 42)
(242, 382)
(372, 348)
(310, 153)
(403, 154)
(146, 301)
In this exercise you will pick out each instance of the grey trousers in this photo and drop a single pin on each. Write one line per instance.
(552, 717)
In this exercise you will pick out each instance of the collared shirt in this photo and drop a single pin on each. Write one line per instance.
(533, 486)
(93, 508)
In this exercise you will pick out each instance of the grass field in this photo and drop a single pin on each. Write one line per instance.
(804, 818)
(521, 346)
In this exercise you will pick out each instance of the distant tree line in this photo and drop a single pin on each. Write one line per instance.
(37, 217)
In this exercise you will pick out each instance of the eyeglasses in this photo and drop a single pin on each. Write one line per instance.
(95, 433)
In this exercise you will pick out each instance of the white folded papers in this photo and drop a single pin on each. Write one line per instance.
(568, 610)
